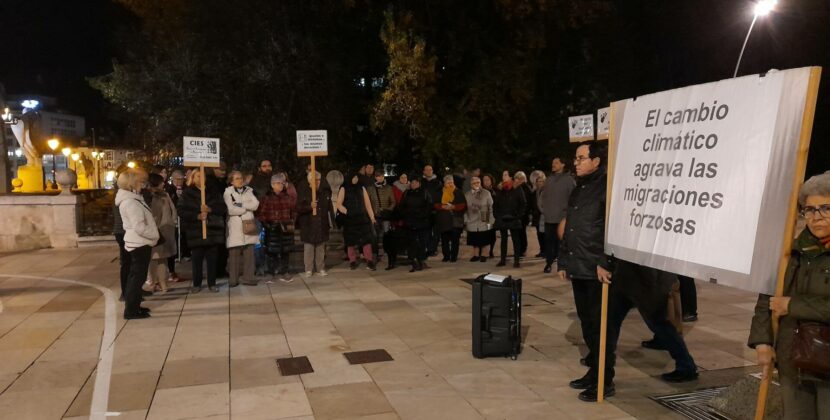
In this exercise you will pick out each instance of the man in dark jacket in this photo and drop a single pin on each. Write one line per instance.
(554, 203)
(582, 258)
(433, 185)
(414, 210)
(261, 181)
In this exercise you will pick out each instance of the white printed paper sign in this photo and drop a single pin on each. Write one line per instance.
(312, 143)
(702, 177)
(603, 123)
(581, 128)
(201, 150)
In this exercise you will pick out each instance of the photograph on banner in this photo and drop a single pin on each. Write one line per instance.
(312, 143)
(581, 128)
(603, 123)
(702, 177)
(201, 150)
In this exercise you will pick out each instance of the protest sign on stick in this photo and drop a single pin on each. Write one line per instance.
(312, 143)
(202, 152)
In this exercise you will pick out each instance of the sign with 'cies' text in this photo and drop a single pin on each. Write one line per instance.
(201, 151)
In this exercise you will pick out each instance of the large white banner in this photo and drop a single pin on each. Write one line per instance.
(702, 177)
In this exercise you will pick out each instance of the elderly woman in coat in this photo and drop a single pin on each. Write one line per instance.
(164, 214)
(449, 218)
(243, 233)
(806, 395)
(314, 228)
(479, 218)
(140, 236)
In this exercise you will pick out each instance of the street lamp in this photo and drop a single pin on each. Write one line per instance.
(131, 165)
(762, 8)
(53, 144)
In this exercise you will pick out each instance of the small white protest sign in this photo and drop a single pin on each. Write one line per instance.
(603, 123)
(312, 143)
(581, 128)
(201, 150)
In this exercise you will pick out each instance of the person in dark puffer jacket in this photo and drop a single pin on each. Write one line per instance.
(191, 214)
(509, 206)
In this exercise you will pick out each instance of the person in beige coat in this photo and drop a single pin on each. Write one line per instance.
(164, 214)
(242, 203)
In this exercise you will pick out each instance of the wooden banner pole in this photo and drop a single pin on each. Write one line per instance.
(789, 228)
(603, 320)
(202, 182)
(313, 182)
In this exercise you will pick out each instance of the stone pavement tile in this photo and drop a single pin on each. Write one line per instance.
(270, 402)
(332, 368)
(199, 345)
(23, 337)
(128, 392)
(250, 373)
(78, 349)
(350, 400)
(255, 324)
(54, 319)
(513, 409)
(418, 407)
(190, 372)
(134, 335)
(408, 373)
(259, 346)
(16, 361)
(46, 375)
(36, 404)
(122, 415)
(191, 402)
(490, 382)
(565, 400)
(139, 359)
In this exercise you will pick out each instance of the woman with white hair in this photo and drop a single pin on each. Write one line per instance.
(243, 232)
(449, 218)
(140, 236)
(479, 218)
(804, 313)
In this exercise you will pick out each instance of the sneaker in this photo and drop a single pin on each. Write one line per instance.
(371, 266)
(195, 289)
(286, 279)
(690, 318)
(678, 376)
(590, 394)
(323, 273)
(213, 289)
(306, 274)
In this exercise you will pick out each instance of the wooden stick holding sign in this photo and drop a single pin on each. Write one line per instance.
(789, 232)
(312, 143)
(202, 152)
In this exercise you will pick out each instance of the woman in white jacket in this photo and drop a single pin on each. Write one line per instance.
(243, 232)
(140, 236)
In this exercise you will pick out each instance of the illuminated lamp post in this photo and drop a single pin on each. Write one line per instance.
(53, 145)
(762, 8)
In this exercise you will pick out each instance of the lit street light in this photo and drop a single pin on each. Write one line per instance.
(53, 144)
(762, 8)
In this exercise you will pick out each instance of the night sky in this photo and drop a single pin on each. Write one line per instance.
(51, 46)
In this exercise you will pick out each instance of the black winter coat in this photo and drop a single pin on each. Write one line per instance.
(446, 220)
(509, 206)
(279, 238)
(189, 207)
(415, 208)
(582, 248)
(314, 229)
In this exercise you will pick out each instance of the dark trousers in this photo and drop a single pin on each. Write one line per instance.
(540, 237)
(620, 302)
(688, 295)
(124, 261)
(139, 264)
(551, 243)
(277, 262)
(222, 260)
(449, 243)
(432, 244)
(523, 236)
(587, 298)
(418, 243)
(204, 254)
(515, 236)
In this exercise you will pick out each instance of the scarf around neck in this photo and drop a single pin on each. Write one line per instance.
(448, 195)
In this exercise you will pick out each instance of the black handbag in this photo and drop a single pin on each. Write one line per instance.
(810, 351)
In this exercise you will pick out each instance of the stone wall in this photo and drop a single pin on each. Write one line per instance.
(38, 221)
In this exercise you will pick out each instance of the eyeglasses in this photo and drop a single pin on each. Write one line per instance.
(811, 212)
(579, 159)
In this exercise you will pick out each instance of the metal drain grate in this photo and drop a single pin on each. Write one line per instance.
(692, 405)
(368, 356)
